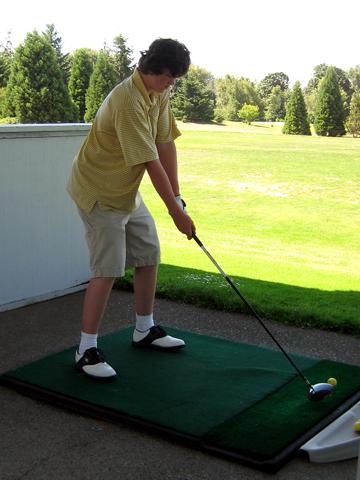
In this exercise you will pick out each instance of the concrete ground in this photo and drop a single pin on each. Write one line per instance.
(39, 441)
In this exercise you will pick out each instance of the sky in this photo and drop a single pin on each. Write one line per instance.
(249, 38)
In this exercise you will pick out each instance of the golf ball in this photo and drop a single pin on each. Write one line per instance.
(332, 381)
(357, 426)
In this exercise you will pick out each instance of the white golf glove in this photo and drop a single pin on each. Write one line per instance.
(181, 203)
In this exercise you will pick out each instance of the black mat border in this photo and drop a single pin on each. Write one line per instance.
(85, 408)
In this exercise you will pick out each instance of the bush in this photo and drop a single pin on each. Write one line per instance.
(249, 113)
(8, 120)
(219, 117)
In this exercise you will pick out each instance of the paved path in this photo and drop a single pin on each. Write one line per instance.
(39, 441)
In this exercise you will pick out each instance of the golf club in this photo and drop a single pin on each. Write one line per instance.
(316, 392)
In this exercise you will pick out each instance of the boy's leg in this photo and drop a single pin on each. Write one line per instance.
(88, 358)
(146, 334)
(96, 298)
(145, 286)
(143, 253)
(106, 238)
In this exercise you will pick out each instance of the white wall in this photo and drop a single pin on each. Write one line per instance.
(43, 253)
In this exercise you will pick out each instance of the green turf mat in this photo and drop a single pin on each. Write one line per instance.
(219, 394)
(266, 428)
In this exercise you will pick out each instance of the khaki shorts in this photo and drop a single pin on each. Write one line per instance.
(118, 240)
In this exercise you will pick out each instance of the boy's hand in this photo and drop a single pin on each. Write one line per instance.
(183, 223)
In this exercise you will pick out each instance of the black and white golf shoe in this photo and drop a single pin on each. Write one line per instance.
(156, 338)
(93, 364)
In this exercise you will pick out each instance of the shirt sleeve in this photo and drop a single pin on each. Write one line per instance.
(167, 129)
(134, 134)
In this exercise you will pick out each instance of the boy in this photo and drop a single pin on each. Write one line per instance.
(133, 132)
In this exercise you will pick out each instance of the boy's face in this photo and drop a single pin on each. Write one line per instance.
(159, 83)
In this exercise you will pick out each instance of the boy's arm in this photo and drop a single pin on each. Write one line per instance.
(168, 160)
(160, 179)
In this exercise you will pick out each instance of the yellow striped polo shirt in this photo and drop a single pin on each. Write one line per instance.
(111, 162)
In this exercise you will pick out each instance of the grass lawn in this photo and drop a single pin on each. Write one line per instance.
(279, 213)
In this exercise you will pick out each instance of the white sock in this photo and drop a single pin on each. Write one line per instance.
(144, 322)
(88, 340)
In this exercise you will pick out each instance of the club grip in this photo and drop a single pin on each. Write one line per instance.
(197, 240)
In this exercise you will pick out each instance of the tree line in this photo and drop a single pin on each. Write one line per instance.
(41, 84)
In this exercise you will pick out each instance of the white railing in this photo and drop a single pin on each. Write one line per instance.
(42, 247)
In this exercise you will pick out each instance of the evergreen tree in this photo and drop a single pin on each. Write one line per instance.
(36, 92)
(353, 123)
(123, 58)
(354, 77)
(296, 118)
(4, 71)
(6, 57)
(310, 102)
(343, 79)
(329, 111)
(194, 98)
(102, 81)
(275, 105)
(82, 67)
(64, 60)
(2, 101)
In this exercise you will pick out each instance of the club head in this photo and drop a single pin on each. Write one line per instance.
(319, 391)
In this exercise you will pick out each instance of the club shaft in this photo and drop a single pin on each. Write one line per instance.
(251, 308)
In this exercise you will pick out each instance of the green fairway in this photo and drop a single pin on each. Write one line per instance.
(280, 212)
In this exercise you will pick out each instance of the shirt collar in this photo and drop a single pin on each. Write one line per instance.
(139, 84)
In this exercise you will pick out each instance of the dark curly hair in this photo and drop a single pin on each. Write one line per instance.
(165, 54)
